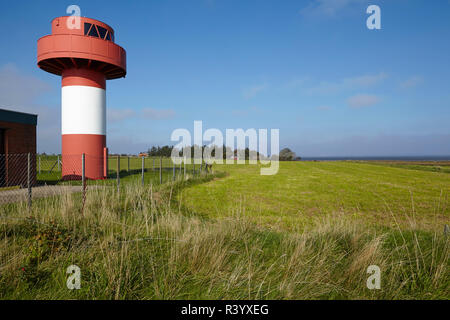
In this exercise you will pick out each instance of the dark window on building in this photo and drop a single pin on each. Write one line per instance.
(87, 26)
(108, 37)
(93, 32)
(102, 32)
(112, 37)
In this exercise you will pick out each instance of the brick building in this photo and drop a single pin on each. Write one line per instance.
(17, 139)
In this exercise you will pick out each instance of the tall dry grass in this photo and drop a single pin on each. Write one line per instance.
(142, 244)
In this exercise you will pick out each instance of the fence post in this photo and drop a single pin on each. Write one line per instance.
(173, 171)
(201, 167)
(83, 174)
(143, 166)
(59, 169)
(128, 169)
(29, 180)
(39, 164)
(118, 174)
(160, 170)
(184, 171)
(105, 163)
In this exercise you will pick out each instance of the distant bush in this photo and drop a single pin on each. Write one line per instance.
(287, 155)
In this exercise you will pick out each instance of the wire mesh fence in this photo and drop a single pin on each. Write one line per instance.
(17, 176)
(24, 177)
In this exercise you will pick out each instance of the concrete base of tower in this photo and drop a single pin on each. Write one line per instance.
(93, 146)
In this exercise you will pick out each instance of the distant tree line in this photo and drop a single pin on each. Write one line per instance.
(166, 151)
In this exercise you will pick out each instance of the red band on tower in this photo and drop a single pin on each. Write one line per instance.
(83, 77)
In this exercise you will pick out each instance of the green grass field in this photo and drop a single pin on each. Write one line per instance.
(301, 191)
(309, 232)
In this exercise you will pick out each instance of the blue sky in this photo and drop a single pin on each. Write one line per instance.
(309, 68)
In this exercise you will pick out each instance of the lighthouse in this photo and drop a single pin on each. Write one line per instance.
(85, 55)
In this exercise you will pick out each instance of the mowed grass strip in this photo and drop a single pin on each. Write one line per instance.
(434, 166)
(378, 195)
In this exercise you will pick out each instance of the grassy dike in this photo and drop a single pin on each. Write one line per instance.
(151, 243)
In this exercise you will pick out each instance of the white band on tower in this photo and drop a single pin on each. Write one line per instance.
(83, 110)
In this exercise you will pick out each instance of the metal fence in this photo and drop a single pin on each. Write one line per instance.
(17, 176)
(24, 177)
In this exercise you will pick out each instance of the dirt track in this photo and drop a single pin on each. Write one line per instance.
(16, 195)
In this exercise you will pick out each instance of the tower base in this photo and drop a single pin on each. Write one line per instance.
(73, 147)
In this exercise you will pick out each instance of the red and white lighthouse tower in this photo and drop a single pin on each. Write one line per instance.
(85, 57)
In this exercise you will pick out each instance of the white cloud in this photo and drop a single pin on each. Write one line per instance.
(363, 81)
(158, 114)
(18, 89)
(122, 143)
(323, 108)
(362, 100)
(19, 92)
(115, 114)
(411, 82)
(246, 112)
(328, 8)
(366, 80)
(252, 91)
(297, 82)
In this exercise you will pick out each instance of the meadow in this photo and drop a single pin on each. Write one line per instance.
(309, 232)
(376, 195)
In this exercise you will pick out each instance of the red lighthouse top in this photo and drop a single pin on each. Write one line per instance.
(91, 46)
